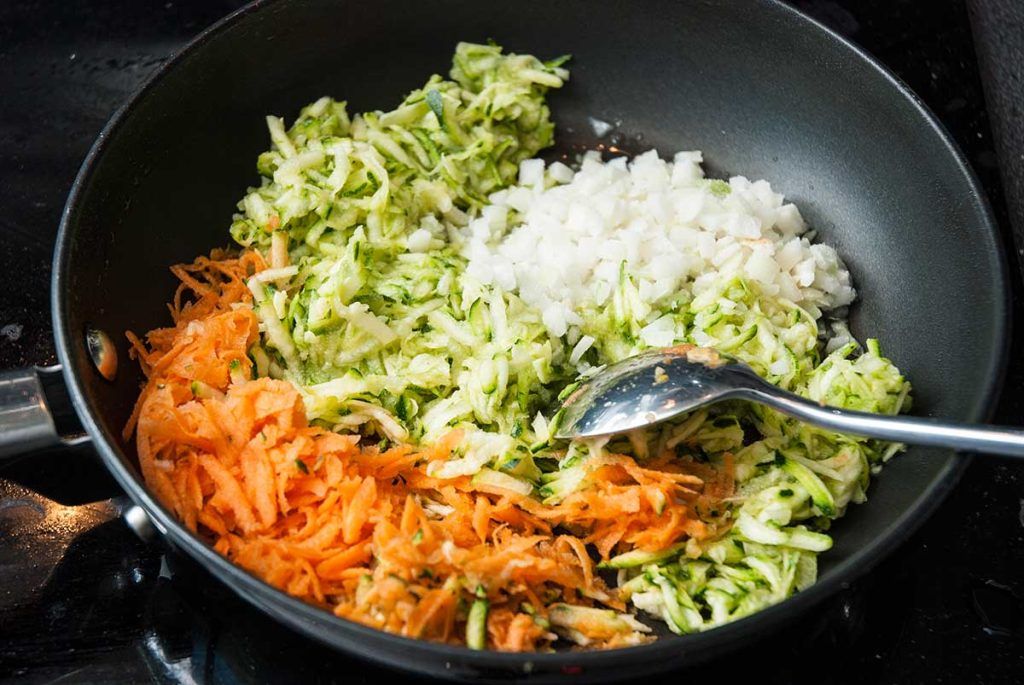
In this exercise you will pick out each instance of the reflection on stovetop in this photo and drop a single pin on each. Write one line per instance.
(82, 600)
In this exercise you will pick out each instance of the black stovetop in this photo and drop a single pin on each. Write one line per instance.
(83, 600)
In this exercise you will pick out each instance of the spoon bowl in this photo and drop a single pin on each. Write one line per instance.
(651, 387)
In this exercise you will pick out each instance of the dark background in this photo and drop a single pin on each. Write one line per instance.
(82, 600)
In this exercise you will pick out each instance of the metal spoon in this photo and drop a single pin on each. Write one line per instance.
(660, 384)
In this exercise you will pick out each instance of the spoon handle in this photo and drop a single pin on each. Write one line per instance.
(909, 429)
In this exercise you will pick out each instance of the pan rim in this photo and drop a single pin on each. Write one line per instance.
(300, 615)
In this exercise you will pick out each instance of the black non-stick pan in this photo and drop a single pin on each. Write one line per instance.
(761, 89)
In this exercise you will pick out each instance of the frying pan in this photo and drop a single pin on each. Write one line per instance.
(761, 89)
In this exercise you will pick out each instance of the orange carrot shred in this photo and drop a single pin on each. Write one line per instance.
(369, 534)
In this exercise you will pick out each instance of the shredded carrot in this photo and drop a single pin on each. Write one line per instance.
(514, 632)
(368, 533)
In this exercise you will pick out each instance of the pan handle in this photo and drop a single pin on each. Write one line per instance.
(35, 412)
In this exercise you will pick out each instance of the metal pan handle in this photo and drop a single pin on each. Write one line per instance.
(29, 400)
(36, 413)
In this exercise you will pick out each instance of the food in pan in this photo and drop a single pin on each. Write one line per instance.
(356, 403)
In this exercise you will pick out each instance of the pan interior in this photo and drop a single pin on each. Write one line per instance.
(762, 91)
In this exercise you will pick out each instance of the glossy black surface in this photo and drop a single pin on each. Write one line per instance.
(934, 594)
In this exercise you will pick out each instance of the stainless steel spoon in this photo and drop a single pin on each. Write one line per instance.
(660, 384)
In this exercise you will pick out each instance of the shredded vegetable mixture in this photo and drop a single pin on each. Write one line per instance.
(351, 413)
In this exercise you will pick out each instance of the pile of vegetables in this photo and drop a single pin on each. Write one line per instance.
(349, 414)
